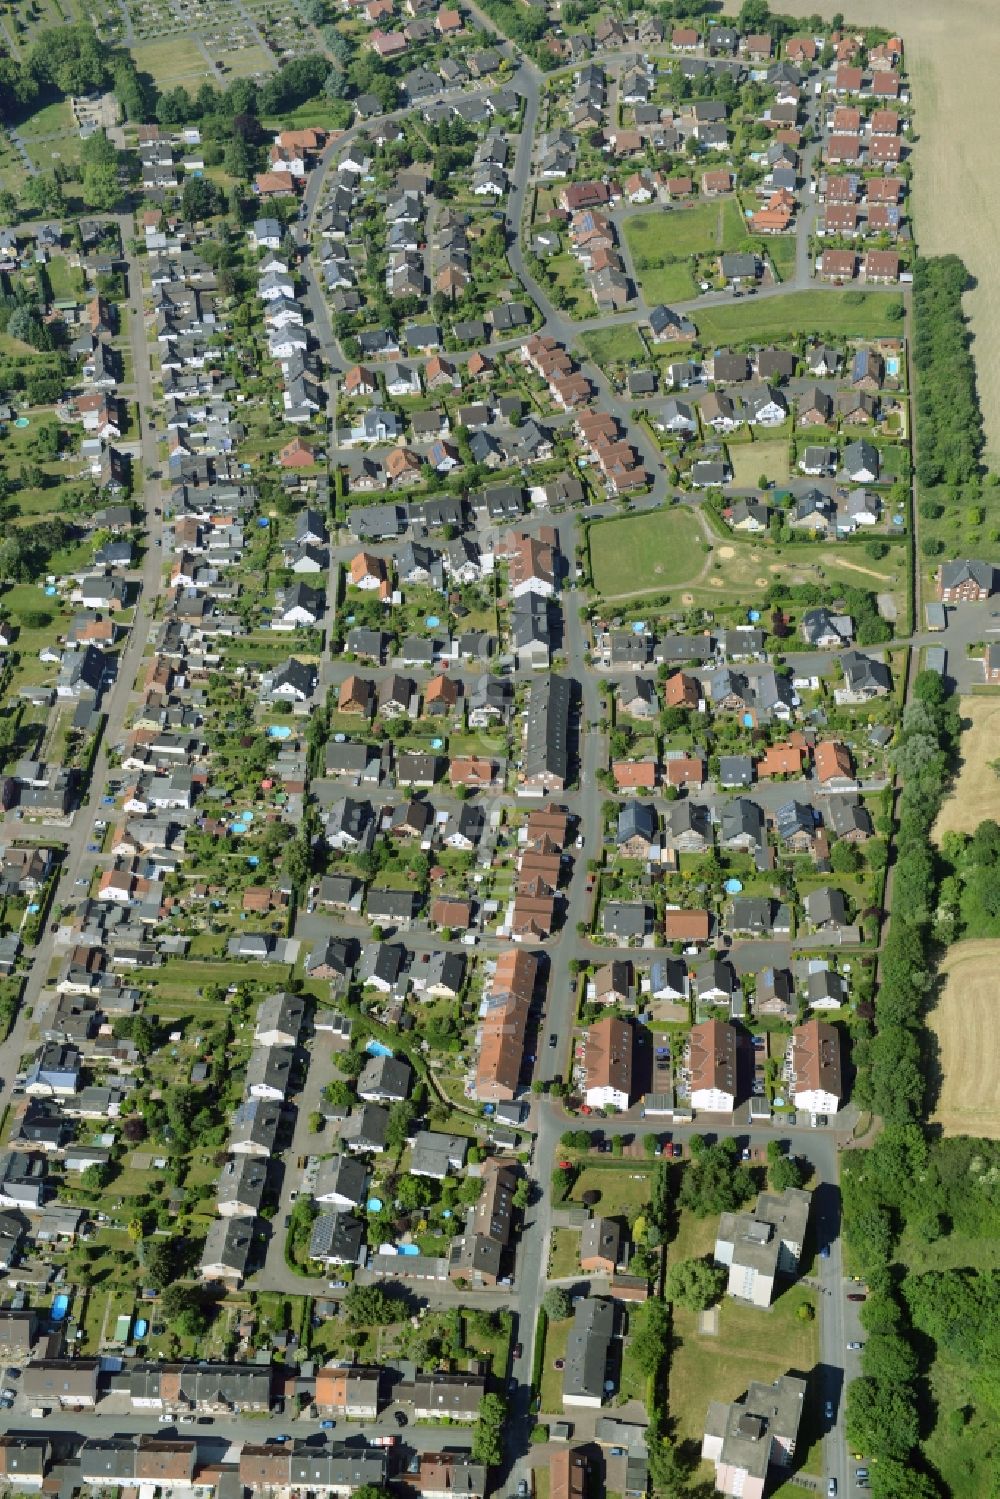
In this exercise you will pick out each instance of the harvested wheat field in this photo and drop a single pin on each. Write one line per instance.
(966, 1022)
(976, 793)
(952, 56)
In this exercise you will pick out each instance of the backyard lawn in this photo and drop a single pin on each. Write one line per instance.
(862, 314)
(643, 553)
(624, 1188)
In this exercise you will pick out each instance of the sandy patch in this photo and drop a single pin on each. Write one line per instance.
(775, 567)
(760, 582)
(726, 553)
(965, 1022)
(975, 796)
(687, 598)
(855, 567)
(715, 582)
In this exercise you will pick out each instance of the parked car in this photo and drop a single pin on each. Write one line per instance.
(400, 1418)
(327, 1425)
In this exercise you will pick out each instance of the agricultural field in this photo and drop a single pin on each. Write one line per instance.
(964, 1021)
(975, 796)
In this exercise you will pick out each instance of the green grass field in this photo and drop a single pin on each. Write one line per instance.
(669, 283)
(834, 313)
(781, 253)
(556, 1338)
(643, 553)
(636, 554)
(685, 231)
(614, 345)
(172, 61)
(564, 1253)
(751, 1344)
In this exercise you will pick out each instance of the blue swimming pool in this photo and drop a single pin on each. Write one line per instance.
(140, 1330)
(60, 1306)
(278, 731)
(378, 1049)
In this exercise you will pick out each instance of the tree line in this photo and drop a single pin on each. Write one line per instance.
(949, 421)
(888, 1188)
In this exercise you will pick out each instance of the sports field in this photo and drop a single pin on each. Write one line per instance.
(644, 553)
(966, 1022)
(975, 796)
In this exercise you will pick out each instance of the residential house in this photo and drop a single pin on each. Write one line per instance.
(712, 1066)
(816, 1067)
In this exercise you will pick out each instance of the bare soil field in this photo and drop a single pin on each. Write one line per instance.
(966, 1022)
(952, 56)
(976, 793)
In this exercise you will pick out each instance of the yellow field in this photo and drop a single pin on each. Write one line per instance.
(951, 58)
(966, 1022)
(976, 794)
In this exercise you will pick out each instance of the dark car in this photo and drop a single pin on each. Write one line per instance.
(856, 1296)
(518, 1350)
(400, 1418)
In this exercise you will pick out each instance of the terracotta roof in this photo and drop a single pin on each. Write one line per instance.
(686, 926)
